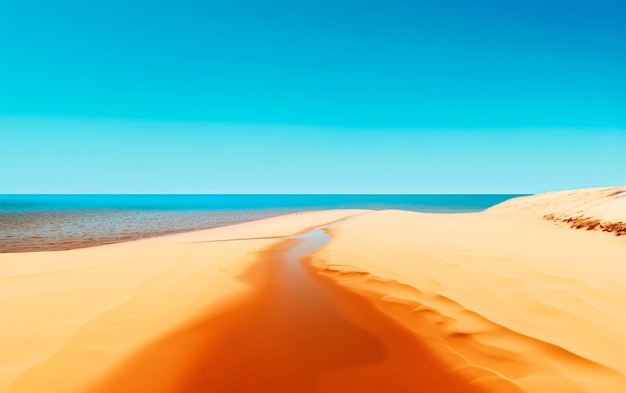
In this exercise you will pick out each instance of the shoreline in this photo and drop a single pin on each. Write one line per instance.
(92, 308)
(504, 299)
(33, 223)
(34, 243)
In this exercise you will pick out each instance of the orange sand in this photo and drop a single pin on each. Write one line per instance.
(499, 301)
(507, 295)
(70, 317)
(294, 333)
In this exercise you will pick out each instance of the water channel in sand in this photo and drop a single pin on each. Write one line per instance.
(298, 332)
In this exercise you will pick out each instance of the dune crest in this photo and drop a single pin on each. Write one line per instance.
(602, 209)
(503, 299)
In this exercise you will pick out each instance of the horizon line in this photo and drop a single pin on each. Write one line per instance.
(271, 194)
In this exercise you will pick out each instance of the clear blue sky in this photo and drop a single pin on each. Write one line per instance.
(325, 96)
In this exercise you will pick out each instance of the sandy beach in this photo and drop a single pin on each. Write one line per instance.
(527, 296)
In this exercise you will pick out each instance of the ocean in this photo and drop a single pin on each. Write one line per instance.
(61, 222)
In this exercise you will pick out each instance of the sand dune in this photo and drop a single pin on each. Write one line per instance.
(69, 317)
(500, 296)
(505, 299)
(601, 209)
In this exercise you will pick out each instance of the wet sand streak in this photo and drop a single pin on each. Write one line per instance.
(298, 332)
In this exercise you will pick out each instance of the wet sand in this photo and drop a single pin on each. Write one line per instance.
(79, 317)
(498, 301)
(297, 332)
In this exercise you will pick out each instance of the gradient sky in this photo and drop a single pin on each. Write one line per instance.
(313, 97)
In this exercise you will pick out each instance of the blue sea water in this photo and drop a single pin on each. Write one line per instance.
(58, 222)
(242, 202)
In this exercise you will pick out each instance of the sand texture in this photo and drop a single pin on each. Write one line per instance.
(70, 317)
(600, 209)
(502, 297)
(499, 301)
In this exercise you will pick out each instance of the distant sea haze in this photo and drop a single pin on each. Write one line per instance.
(61, 222)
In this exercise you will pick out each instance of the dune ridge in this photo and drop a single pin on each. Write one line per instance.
(505, 298)
(500, 294)
(601, 209)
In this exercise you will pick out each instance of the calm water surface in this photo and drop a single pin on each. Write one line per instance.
(59, 222)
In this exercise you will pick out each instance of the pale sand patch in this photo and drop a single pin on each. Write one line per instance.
(69, 317)
(604, 204)
(499, 295)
